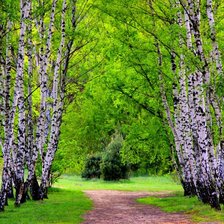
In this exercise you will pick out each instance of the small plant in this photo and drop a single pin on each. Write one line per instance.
(92, 168)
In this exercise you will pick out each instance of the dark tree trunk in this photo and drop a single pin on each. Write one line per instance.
(35, 188)
(43, 192)
(10, 193)
(20, 192)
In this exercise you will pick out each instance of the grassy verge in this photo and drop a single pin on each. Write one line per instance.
(155, 183)
(192, 206)
(63, 206)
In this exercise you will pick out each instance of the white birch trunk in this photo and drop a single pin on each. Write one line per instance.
(174, 126)
(57, 113)
(31, 182)
(185, 119)
(44, 60)
(186, 135)
(202, 116)
(30, 124)
(5, 75)
(216, 57)
(184, 165)
(216, 53)
(19, 95)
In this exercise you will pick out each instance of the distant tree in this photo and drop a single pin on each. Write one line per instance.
(112, 167)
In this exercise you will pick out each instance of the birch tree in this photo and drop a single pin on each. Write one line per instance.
(58, 94)
(194, 126)
(5, 75)
(195, 104)
(20, 102)
(22, 146)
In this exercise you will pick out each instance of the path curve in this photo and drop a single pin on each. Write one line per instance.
(120, 207)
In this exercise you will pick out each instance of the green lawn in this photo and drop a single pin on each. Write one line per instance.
(67, 203)
(63, 206)
(155, 183)
(192, 206)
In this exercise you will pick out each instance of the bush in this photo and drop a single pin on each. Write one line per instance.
(92, 168)
(112, 167)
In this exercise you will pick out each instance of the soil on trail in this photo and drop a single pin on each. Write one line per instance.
(117, 207)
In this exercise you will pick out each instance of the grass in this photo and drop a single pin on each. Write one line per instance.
(63, 206)
(155, 184)
(192, 206)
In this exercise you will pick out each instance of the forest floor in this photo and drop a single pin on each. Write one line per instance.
(121, 207)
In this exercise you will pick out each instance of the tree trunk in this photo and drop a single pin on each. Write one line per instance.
(19, 95)
(57, 114)
(6, 173)
(215, 53)
(185, 119)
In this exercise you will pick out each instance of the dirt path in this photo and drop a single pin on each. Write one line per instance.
(117, 207)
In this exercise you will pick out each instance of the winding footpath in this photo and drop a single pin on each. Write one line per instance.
(118, 207)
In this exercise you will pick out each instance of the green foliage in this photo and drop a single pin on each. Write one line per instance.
(116, 87)
(147, 146)
(56, 169)
(112, 167)
(92, 167)
(70, 157)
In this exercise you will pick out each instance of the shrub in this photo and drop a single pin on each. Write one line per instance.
(112, 167)
(92, 168)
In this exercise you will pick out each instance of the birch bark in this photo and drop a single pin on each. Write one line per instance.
(185, 119)
(30, 182)
(202, 116)
(59, 94)
(44, 60)
(57, 113)
(6, 78)
(19, 95)
(216, 57)
(216, 53)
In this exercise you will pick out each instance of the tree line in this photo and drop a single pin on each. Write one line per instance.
(196, 121)
(38, 42)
